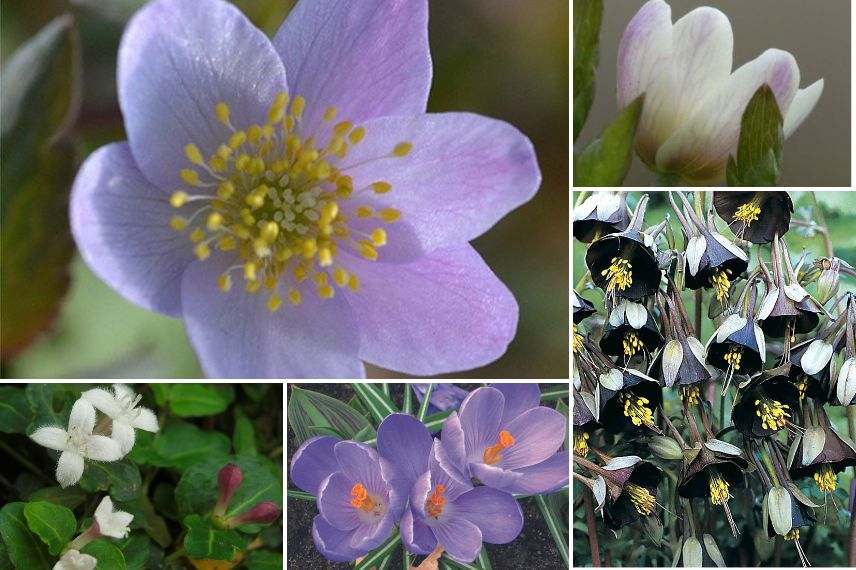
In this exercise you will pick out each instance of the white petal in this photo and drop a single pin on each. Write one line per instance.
(607, 204)
(613, 380)
(730, 246)
(762, 343)
(636, 315)
(695, 251)
(696, 348)
(599, 490)
(616, 316)
(795, 292)
(102, 448)
(673, 356)
(123, 434)
(582, 211)
(722, 447)
(713, 551)
(802, 106)
(51, 437)
(82, 416)
(692, 553)
(124, 391)
(74, 560)
(621, 462)
(779, 503)
(592, 403)
(812, 443)
(104, 510)
(768, 303)
(845, 388)
(69, 470)
(730, 326)
(816, 356)
(104, 401)
(147, 420)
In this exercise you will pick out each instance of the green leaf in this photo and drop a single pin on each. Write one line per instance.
(483, 559)
(606, 160)
(408, 399)
(161, 393)
(264, 560)
(54, 524)
(256, 392)
(378, 404)
(759, 151)
(552, 519)
(380, 553)
(204, 541)
(455, 565)
(307, 409)
(554, 394)
(50, 405)
(39, 103)
(15, 412)
(24, 548)
(121, 479)
(108, 554)
(70, 497)
(147, 518)
(426, 401)
(182, 444)
(194, 400)
(587, 18)
(136, 549)
(5, 563)
(244, 435)
(303, 496)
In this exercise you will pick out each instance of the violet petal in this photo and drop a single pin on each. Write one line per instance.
(313, 462)
(495, 512)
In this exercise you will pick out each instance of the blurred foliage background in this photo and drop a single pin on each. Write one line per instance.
(59, 320)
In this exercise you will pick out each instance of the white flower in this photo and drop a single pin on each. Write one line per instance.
(74, 560)
(77, 443)
(121, 407)
(112, 523)
(690, 122)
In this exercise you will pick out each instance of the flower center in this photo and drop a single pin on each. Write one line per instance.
(641, 498)
(733, 357)
(721, 284)
(631, 343)
(77, 440)
(578, 340)
(690, 395)
(718, 489)
(793, 534)
(283, 203)
(826, 479)
(773, 413)
(360, 498)
(747, 213)
(581, 443)
(436, 501)
(802, 386)
(636, 408)
(493, 453)
(618, 274)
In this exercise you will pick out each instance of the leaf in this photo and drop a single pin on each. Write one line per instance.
(147, 518)
(43, 400)
(759, 150)
(426, 401)
(194, 400)
(136, 549)
(24, 548)
(108, 554)
(182, 444)
(54, 524)
(264, 560)
(606, 160)
(376, 401)
(121, 479)
(15, 413)
(307, 408)
(244, 435)
(40, 100)
(204, 541)
(587, 18)
(70, 497)
(554, 394)
(378, 554)
(552, 519)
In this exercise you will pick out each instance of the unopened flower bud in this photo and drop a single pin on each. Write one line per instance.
(665, 448)
(828, 282)
(265, 512)
(229, 479)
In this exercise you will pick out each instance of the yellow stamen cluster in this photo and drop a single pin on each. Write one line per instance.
(690, 395)
(283, 203)
(360, 498)
(733, 357)
(493, 454)
(631, 343)
(436, 501)
(802, 386)
(721, 284)
(641, 498)
(618, 274)
(577, 340)
(581, 443)
(773, 413)
(718, 489)
(793, 534)
(747, 213)
(636, 408)
(826, 479)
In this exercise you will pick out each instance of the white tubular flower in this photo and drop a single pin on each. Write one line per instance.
(690, 123)
(77, 443)
(110, 522)
(74, 560)
(121, 407)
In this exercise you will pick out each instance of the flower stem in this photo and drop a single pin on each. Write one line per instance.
(823, 230)
(581, 196)
(583, 280)
(592, 528)
(25, 462)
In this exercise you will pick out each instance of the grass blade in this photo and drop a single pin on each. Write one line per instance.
(378, 404)
(300, 495)
(552, 520)
(312, 413)
(379, 554)
(408, 399)
(483, 559)
(554, 394)
(455, 565)
(405, 556)
(423, 409)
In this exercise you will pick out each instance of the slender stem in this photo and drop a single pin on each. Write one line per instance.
(423, 409)
(25, 462)
(853, 526)
(824, 231)
(408, 399)
(300, 495)
(722, 410)
(583, 462)
(699, 300)
(583, 280)
(592, 528)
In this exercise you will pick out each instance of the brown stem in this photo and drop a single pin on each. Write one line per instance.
(699, 298)
(675, 431)
(690, 421)
(592, 528)
(853, 526)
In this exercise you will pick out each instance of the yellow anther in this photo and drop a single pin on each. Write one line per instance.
(237, 139)
(197, 235)
(254, 133)
(581, 443)
(368, 251)
(225, 190)
(325, 292)
(402, 149)
(217, 164)
(826, 479)
(273, 303)
(309, 248)
(340, 276)
(733, 357)
(330, 114)
(299, 273)
(721, 284)
(202, 251)
(294, 297)
(353, 282)
(270, 231)
(379, 237)
(320, 278)
(364, 212)
(297, 107)
(222, 112)
(215, 221)
(224, 282)
(637, 411)
(325, 257)
(690, 395)
(747, 213)
(253, 286)
(357, 135)
(284, 254)
(256, 198)
(631, 343)
(178, 223)
(577, 340)
(191, 151)
(329, 211)
(190, 177)
(802, 386)
(250, 268)
(793, 534)
(277, 108)
(718, 489)
(641, 498)
(341, 128)
(224, 152)
(178, 199)
(618, 275)
(381, 187)
(226, 243)
(389, 215)
(774, 415)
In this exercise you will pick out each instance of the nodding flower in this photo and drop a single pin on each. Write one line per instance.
(767, 403)
(738, 346)
(600, 214)
(629, 400)
(821, 453)
(631, 490)
(630, 330)
(756, 217)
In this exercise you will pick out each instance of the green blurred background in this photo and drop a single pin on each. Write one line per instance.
(489, 57)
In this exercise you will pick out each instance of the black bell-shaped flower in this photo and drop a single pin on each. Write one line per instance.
(582, 307)
(755, 216)
(635, 495)
(810, 368)
(630, 330)
(766, 403)
(601, 214)
(737, 346)
(821, 454)
(584, 420)
(628, 401)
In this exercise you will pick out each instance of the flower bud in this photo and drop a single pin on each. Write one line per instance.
(827, 283)
(265, 512)
(665, 448)
(229, 479)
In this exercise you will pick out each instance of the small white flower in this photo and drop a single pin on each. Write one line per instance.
(77, 443)
(112, 523)
(121, 407)
(74, 560)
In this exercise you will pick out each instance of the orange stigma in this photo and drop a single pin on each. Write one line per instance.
(435, 502)
(361, 499)
(494, 453)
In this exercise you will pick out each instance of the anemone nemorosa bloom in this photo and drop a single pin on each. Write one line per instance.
(503, 438)
(690, 123)
(292, 201)
(358, 505)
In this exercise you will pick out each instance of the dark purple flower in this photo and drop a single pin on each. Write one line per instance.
(265, 512)
(506, 440)
(443, 396)
(292, 201)
(358, 506)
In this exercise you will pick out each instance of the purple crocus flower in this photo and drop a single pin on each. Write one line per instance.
(292, 201)
(503, 438)
(358, 506)
(444, 508)
(443, 396)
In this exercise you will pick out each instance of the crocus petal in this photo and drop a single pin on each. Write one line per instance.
(123, 434)
(419, 493)
(69, 469)
(480, 415)
(417, 536)
(120, 223)
(102, 448)
(801, 107)
(405, 442)
(51, 437)
(146, 420)
(236, 336)
(496, 477)
(82, 416)
(538, 434)
(360, 462)
(543, 477)
(369, 537)
(104, 401)
(461, 538)
(334, 502)
(368, 58)
(443, 473)
(452, 438)
(177, 61)
(518, 399)
(445, 312)
(333, 543)
(464, 173)
(495, 512)
(313, 462)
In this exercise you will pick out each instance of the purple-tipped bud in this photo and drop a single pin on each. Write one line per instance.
(265, 512)
(229, 479)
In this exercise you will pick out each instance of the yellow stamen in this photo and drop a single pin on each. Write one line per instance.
(493, 453)
(578, 340)
(581, 443)
(826, 479)
(618, 274)
(721, 284)
(641, 498)
(360, 498)
(636, 408)
(631, 343)
(747, 213)
(733, 357)
(793, 534)
(718, 489)
(802, 386)
(773, 413)
(690, 395)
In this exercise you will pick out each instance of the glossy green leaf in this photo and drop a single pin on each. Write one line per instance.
(121, 479)
(587, 18)
(15, 413)
(148, 519)
(244, 435)
(307, 408)
(182, 444)
(606, 160)
(759, 150)
(136, 549)
(70, 497)
(50, 403)
(108, 554)
(264, 560)
(483, 559)
(24, 548)
(194, 400)
(375, 400)
(39, 103)
(380, 553)
(552, 519)
(204, 541)
(54, 524)
(554, 394)
(5, 563)
(426, 401)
